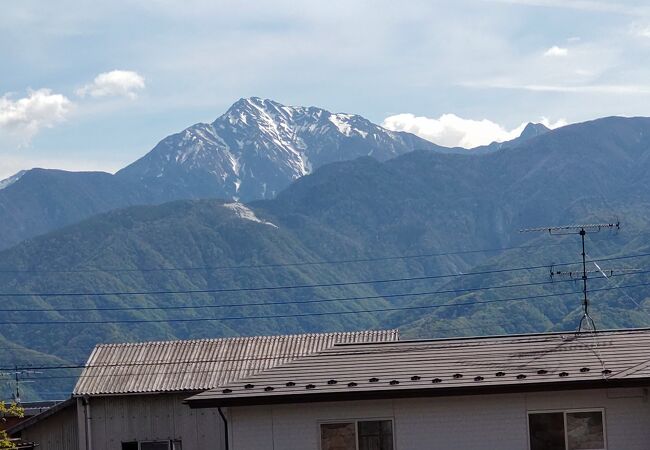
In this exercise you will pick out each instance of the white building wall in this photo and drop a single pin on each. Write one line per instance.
(486, 422)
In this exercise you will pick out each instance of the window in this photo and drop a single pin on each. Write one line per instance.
(152, 445)
(568, 430)
(357, 435)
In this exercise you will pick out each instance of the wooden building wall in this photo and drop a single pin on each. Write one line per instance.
(56, 432)
(152, 418)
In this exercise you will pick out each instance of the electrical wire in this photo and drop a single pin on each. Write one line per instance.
(312, 314)
(289, 302)
(278, 265)
(404, 347)
(303, 286)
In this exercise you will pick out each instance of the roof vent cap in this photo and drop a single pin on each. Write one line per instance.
(500, 374)
(290, 384)
(393, 382)
(458, 375)
(436, 380)
(479, 378)
(268, 388)
(373, 380)
(415, 378)
(564, 374)
(352, 384)
(332, 382)
(542, 372)
(310, 386)
(521, 376)
(249, 386)
(585, 369)
(227, 391)
(606, 372)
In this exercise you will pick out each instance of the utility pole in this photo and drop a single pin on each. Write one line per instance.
(17, 394)
(581, 230)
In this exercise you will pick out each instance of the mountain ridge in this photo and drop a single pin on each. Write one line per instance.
(254, 150)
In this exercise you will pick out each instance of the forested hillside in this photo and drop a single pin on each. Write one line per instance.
(358, 244)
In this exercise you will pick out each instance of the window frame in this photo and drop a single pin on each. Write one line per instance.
(356, 428)
(170, 442)
(564, 416)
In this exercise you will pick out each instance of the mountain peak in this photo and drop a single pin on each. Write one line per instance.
(255, 102)
(533, 130)
(249, 110)
(12, 179)
(259, 146)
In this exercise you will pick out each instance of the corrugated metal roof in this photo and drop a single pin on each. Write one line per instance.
(172, 366)
(414, 368)
(43, 415)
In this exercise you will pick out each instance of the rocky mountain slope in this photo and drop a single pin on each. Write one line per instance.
(258, 147)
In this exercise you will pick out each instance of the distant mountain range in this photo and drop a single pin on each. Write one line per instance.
(257, 148)
(445, 213)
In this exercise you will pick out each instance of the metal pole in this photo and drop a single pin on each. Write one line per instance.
(225, 429)
(584, 272)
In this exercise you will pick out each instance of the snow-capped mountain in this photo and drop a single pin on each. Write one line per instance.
(258, 147)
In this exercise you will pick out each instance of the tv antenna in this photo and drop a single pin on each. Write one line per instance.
(18, 374)
(582, 230)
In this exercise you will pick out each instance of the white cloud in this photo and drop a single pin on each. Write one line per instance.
(450, 130)
(617, 7)
(622, 89)
(548, 123)
(116, 83)
(642, 31)
(556, 51)
(24, 117)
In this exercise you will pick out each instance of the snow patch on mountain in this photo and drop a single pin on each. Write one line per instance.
(11, 180)
(339, 121)
(243, 212)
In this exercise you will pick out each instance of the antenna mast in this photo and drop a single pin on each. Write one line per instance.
(582, 230)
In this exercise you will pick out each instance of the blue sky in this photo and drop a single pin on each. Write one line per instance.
(95, 85)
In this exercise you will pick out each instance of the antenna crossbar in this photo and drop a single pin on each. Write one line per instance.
(582, 230)
(573, 229)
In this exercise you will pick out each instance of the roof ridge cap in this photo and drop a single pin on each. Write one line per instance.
(234, 338)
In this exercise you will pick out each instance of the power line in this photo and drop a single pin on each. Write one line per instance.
(313, 314)
(237, 360)
(403, 348)
(210, 360)
(263, 288)
(294, 264)
(303, 286)
(302, 302)
(278, 265)
(327, 313)
(291, 302)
